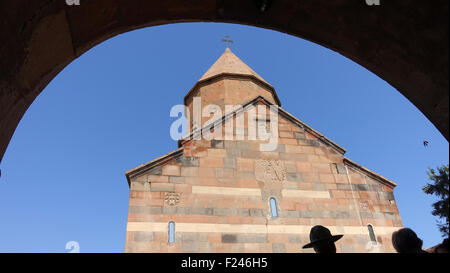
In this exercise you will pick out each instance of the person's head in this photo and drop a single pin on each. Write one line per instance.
(321, 240)
(325, 247)
(405, 240)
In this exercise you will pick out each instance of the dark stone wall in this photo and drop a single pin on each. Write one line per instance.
(405, 42)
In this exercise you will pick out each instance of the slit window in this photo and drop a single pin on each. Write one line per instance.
(171, 232)
(273, 207)
(371, 233)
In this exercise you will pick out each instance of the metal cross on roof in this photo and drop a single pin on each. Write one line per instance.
(226, 40)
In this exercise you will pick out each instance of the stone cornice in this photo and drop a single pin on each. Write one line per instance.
(151, 164)
(232, 76)
(369, 173)
(283, 112)
(163, 159)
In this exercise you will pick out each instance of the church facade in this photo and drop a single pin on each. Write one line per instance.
(225, 189)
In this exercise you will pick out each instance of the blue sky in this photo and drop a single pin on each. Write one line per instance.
(108, 111)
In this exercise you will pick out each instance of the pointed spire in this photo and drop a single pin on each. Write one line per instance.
(230, 64)
(231, 72)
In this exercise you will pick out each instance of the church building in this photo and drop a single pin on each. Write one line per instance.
(226, 189)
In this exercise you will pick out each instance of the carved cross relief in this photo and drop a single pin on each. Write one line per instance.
(270, 171)
(172, 198)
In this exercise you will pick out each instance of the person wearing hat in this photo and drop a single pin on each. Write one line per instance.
(321, 240)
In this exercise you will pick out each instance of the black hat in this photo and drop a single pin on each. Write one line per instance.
(320, 234)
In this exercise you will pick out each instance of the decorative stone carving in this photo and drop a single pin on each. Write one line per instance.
(172, 198)
(364, 205)
(270, 171)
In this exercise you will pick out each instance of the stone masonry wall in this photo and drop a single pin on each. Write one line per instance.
(227, 92)
(217, 193)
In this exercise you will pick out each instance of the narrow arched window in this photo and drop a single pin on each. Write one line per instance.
(371, 233)
(273, 207)
(171, 232)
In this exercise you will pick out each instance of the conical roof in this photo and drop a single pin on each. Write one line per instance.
(230, 66)
(229, 63)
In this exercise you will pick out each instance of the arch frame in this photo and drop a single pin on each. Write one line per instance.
(403, 42)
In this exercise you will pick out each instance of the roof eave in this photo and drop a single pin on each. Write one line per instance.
(151, 164)
(370, 173)
(233, 75)
(287, 115)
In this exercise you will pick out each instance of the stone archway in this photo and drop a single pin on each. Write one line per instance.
(403, 42)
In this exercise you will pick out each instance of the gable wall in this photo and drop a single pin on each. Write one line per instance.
(224, 196)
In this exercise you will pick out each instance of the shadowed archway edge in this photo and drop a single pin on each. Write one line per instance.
(404, 42)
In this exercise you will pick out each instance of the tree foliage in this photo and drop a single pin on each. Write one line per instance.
(440, 188)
